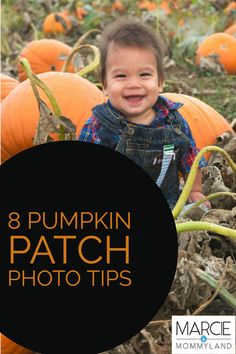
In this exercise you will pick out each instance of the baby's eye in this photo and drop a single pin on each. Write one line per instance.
(120, 76)
(145, 74)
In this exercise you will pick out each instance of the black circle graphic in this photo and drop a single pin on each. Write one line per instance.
(83, 234)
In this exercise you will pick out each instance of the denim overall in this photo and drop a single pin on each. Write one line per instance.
(144, 145)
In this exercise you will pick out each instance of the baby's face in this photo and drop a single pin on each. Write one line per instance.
(131, 82)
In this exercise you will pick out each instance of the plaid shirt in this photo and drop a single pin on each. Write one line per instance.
(89, 132)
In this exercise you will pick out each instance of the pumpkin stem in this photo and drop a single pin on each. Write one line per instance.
(192, 174)
(84, 36)
(34, 80)
(27, 68)
(94, 64)
(209, 197)
(90, 67)
(48, 93)
(76, 46)
(36, 33)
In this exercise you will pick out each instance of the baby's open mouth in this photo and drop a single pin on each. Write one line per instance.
(134, 98)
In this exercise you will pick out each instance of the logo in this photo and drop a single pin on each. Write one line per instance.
(203, 334)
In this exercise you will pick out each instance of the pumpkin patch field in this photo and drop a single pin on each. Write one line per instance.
(50, 56)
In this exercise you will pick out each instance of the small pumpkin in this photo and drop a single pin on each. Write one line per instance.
(221, 44)
(57, 22)
(19, 112)
(10, 347)
(147, 5)
(164, 5)
(44, 56)
(118, 6)
(205, 122)
(231, 30)
(150, 6)
(230, 7)
(8, 83)
(80, 13)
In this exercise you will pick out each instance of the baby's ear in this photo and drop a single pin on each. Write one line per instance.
(104, 91)
(104, 86)
(161, 86)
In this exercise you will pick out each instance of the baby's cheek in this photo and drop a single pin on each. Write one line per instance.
(153, 86)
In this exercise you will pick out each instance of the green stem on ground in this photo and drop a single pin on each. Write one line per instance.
(192, 174)
(230, 299)
(209, 197)
(205, 226)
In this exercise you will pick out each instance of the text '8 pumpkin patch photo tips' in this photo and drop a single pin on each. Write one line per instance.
(83, 234)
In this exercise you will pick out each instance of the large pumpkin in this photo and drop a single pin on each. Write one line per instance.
(8, 83)
(204, 121)
(44, 55)
(76, 97)
(221, 44)
(10, 347)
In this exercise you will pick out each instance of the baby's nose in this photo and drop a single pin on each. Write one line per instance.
(133, 83)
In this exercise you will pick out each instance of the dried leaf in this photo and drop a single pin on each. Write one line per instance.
(219, 216)
(213, 183)
(211, 63)
(78, 62)
(63, 57)
(50, 123)
(230, 147)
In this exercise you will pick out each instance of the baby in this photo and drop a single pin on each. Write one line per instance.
(136, 120)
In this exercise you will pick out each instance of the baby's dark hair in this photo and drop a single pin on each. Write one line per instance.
(129, 32)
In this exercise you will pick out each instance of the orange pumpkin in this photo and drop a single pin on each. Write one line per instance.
(150, 6)
(221, 44)
(230, 7)
(118, 6)
(57, 22)
(204, 121)
(75, 95)
(147, 5)
(10, 347)
(164, 5)
(231, 30)
(8, 83)
(80, 13)
(43, 56)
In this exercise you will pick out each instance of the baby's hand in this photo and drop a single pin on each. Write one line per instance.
(195, 196)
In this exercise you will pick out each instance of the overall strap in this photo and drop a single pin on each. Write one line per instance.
(168, 154)
(174, 119)
(111, 119)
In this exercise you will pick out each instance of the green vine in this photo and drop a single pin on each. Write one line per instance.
(207, 226)
(230, 299)
(88, 68)
(209, 197)
(192, 174)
